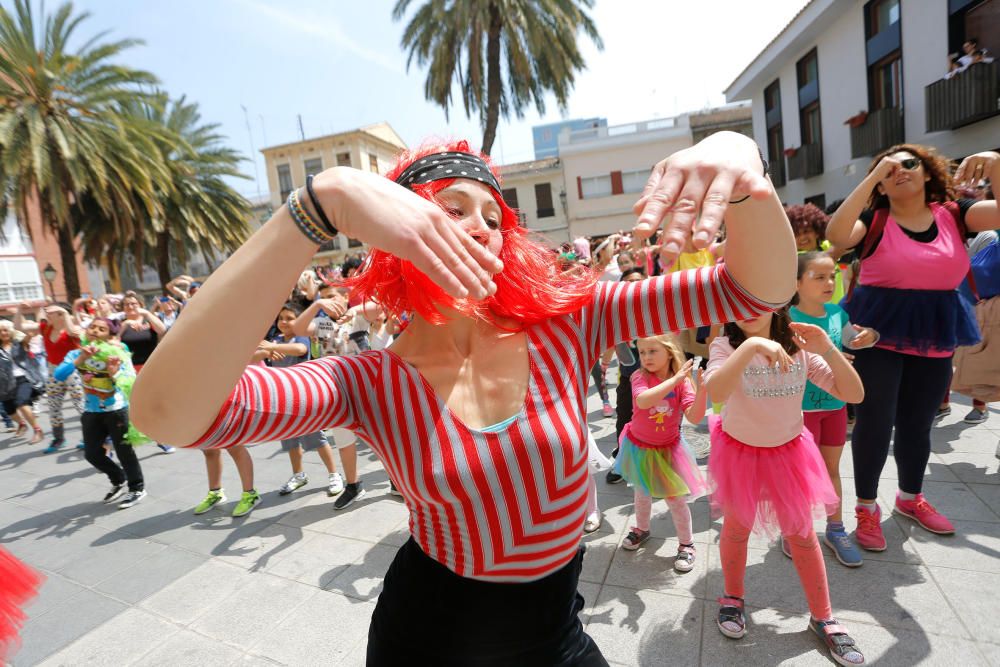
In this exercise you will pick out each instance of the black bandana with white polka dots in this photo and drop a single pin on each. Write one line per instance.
(453, 164)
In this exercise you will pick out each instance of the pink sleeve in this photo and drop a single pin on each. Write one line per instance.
(685, 394)
(640, 383)
(718, 351)
(279, 403)
(674, 302)
(819, 372)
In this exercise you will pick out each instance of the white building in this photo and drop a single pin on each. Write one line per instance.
(19, 276)
(537, 191)
(846, 79)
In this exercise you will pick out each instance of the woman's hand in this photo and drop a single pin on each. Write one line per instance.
(866, 338)
(886, 168)
(977, 167)
(335, 308)
(373, 209)
(811, 338)
(689, 191)
(772, 351)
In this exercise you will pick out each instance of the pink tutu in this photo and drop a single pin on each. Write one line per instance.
(18, 584)
(659, 472)
(771, 489)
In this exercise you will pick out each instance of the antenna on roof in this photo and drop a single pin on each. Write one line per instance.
(253, 151)
(302, 132)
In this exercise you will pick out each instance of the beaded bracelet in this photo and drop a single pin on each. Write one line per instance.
(309, 227)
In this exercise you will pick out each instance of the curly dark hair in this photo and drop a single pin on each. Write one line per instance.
(780, 331)
(940, 188)
(807, 218)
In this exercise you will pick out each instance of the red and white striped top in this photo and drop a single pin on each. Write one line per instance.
(495, 506)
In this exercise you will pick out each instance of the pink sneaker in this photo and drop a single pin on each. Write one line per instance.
(869, 532)
(607, 410)
(924, 513)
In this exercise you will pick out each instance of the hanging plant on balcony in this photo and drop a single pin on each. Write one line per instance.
(857, 120)
(791, 152)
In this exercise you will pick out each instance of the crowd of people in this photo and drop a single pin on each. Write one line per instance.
(461, 351)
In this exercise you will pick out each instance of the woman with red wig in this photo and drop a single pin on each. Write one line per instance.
(477, 410)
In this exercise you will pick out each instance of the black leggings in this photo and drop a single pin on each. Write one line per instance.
(901, 390)
(600, 379)
(428, 615)
(100, 425)
(623, 406)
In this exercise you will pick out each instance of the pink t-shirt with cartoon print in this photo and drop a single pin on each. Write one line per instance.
(658, 426)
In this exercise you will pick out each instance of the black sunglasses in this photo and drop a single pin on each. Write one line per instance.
(910, 163)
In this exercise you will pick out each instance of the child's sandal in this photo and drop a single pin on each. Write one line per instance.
(843, 649)
(731, 621)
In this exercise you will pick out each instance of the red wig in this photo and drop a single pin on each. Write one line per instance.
(531, 288)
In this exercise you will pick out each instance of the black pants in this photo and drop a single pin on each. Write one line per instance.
(600, 379)
(901, 391)
(428, 615)
(100, 425)
(24, 394)
(623, 406)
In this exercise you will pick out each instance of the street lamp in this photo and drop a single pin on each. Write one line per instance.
(50, 273)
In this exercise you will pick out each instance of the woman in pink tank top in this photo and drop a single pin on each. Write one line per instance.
(910, 232)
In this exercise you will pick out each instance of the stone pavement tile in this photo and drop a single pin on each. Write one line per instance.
(190, 596)
(321, 631)
(318, 559)
(972, 439)
(973, 468)
(213, 535)
(953, 499)
(662, 524)
(590, 592)
(249, 611)
(991, 653)
(47, 634)
(989, 494)
(256, 551)
(57, 548)
(370, 519)
(55, 590)
(646, 628)
(975, 546)
(151, 509)
(107, 560)
(362, 579)
(894, 647)
(248, 660)
(651, 567)
(973, 595)
(150, 575)
(398, 537)
(118, 642)
(616, 510)
(56, 493)
(189, 649)
(601, 548)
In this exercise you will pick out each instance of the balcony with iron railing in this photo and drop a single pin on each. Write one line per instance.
(806, 162)
(967, 97)
(881, 128)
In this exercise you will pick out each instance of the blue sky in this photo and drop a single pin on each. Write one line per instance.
(338, 63)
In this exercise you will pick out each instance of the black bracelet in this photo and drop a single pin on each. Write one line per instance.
(319, 209)
(764, 163)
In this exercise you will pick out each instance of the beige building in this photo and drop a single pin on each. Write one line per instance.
(606, 168)
(537, 191)
(370, 148)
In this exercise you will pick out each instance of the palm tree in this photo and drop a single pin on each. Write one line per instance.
(61, 138)
(533, 42)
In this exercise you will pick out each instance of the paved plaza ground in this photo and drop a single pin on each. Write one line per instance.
(295, 582)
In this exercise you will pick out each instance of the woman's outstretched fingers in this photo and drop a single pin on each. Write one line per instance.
(480, 279)
(436, 258)
(713, 208)
(659, 201)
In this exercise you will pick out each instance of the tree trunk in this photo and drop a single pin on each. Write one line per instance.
(494, 85)
(67, 255)
(163, 259)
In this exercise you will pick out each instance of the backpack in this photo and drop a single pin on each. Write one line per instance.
(874, 233)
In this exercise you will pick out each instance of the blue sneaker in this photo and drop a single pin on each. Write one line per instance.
(54, 447)
(81, 446)
(840, 543)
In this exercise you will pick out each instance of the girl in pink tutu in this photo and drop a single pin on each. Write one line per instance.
(765, 468)
(652, 457)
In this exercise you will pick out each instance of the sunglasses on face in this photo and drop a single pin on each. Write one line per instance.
(910, 164)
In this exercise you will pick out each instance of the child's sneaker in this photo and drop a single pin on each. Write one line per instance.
(592, 523)
(131, 498)
(211, 500)
(247, 502)
(116, 490)
(842, 648)
(607, 410)
(634, 539)
(869, 531)
(352, 492)
(295, 482)
(684, 562)
(166, 449)
(843, 548)
(730, 619)
(924, 513)
(336, 484)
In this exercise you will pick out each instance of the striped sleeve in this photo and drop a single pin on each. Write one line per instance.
(279, 403)
(673, 302)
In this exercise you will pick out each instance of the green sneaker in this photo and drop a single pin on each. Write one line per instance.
(247, 503)
(211, 500)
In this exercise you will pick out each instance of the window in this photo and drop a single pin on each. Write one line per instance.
(885, 83)
(596, 186)
(343, 159)
(19, 280)
(373, 163)
(882, 14)
(819, 201)
(635, 180)
(313, 166)
(543, 200)
(811, 131)
(285, 180)
(510, 197)
(772, 97)
(808, 69)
